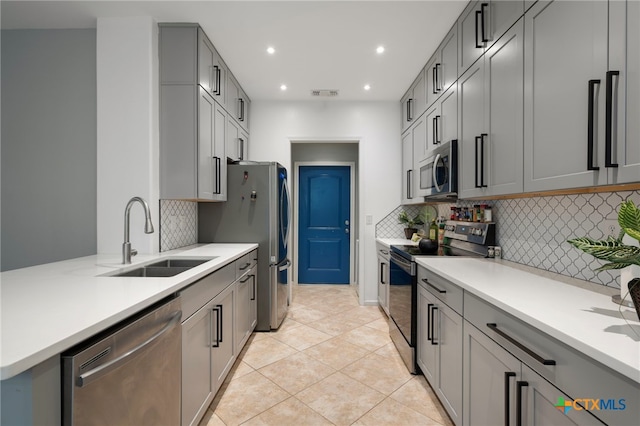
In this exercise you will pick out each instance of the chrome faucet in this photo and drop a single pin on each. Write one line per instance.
(127, 251)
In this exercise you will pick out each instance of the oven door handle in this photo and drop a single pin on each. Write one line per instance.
(405, 265)
(435, 177)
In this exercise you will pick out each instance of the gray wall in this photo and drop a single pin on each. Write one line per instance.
(48, 210)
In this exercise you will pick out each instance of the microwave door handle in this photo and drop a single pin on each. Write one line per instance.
(435, 177)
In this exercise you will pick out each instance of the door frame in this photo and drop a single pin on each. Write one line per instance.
(352, 200)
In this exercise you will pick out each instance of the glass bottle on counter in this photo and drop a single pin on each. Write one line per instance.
(488, 216)
(433, 231)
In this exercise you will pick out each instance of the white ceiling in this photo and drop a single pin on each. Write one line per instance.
(319, 44)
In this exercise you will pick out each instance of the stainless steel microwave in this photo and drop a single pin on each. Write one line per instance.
(439, 174)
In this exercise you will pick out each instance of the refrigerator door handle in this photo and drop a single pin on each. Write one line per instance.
(284, 232)
(284, 265)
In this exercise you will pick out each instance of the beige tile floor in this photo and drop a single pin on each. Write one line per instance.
(330, 363)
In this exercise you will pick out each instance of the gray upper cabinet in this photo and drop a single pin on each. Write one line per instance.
(624, 76)
(237, 102)
(491, 109)
(408, 173)
(414, 102)
(192, 159)
(566, 67)
(212, 71)
(442, 69)
(481, 24)
(237, 141)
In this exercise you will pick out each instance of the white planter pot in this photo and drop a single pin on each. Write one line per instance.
(626, 275)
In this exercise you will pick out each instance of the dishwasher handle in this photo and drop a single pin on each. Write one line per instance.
(93, 374)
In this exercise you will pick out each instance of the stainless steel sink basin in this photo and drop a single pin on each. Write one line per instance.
(163, 268)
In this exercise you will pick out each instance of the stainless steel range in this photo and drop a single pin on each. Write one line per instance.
(460, 239)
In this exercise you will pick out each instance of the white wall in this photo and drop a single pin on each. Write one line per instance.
(375, 124)
(128, 141)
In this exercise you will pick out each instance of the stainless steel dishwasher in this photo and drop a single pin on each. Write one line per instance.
(128, 375)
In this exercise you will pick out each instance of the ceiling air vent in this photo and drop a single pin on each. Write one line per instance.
(326, 93)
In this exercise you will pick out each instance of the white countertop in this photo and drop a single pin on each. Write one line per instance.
(395, 241)
(47, 309)
(585, 320)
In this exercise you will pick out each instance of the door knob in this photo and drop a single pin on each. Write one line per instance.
(346, 230)
(346, 222)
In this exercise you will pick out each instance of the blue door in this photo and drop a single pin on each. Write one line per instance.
(324, 230)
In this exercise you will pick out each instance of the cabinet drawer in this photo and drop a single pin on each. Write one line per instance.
(444, 290)
(576, 374)
(246, 262)
(199, 293)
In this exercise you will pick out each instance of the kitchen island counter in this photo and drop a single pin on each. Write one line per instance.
(586, 320)
(49, 308)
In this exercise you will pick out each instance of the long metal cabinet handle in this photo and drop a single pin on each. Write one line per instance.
(215, 342)
(476, 165)
(409, 194)
(382, 273)
(437, 127)
(438, 86)
(434, 126)
(426, 281)
(478, 15)
(429, 328)
(482, 140)
(432, 320)
(247, 278)
(253, 296)
(590, 126)
(241, 117)
(217, 80)
(519, 385)
(507, 380)
(217, 174)
(245, 266)
(531, 353)
(220, 325)
(410, 109)
(482, 10)
(95, 373)
(608, 160)
(434, 80)
(241, 142)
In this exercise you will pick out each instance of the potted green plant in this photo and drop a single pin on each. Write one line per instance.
(620, 254)
(410, 224)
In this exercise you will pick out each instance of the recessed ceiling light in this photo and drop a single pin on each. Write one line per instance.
(367, 87)
(380, 49)
(271, 50)
(283, 87)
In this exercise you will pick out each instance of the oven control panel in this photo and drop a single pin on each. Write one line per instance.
(474, 232)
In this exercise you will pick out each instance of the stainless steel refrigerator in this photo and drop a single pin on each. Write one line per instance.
(257, 210)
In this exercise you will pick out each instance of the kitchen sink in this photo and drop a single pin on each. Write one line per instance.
(163, 268)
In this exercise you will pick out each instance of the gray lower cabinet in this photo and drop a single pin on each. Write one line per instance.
(439, 351)
(219, 314)
(383, 277)
(491, 103)
(490, 375)
(246, 300)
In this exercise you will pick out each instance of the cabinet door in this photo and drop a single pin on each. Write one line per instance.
(490, 375)
(624, 58)
(197, 389)
(448, 54)
(383, 283)
(539, 401)
(244, 293)
(223, 348)
(448, 339)
(405, 109)
(470, 129)
(504, 103)
(419, 90)
(408, 175)
(233, 139)
(207, 162)
(232, 96)
(220, 157)
(560, 88)
(243, 110)
(470, 44)
(447, 124)
(427, 348)
(422, 134)
(253, 300)
(502, 14)
(211, 70)
(431, 75)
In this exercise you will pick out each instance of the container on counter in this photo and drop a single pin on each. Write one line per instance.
(488, 214)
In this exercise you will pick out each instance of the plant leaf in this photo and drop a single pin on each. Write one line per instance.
(629, 219)
(610, 266)
(611, 250)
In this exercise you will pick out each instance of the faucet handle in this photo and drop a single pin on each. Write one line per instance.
(134, 252)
